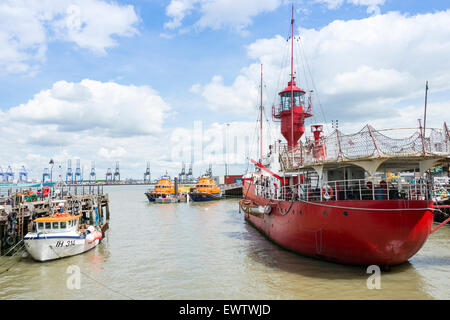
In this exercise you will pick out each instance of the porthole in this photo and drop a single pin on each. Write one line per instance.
(345, 213)
(325, 213)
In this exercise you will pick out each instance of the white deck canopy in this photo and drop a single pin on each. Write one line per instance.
(372, 150)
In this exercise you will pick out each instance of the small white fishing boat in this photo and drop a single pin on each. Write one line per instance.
(60, 235)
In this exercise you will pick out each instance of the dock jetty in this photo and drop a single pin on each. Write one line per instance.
(20, 205)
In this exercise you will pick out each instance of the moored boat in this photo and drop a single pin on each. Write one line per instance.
(163, 189)
(205, 190)
(328, 197)
(60, 235)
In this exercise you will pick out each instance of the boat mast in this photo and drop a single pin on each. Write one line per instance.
(425, 111)
(261, 118)
(292, 77)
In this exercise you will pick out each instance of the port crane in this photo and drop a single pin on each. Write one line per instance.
(78, 173)
(92, 175)
(147, 174)
(23, 174)
(69, 173)
(117, 172)
(108, 175)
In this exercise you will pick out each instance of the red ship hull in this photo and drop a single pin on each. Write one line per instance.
(348, 236)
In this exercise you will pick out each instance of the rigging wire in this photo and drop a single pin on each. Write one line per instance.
(283, 66)
(314, 85)
(306, 85)
(253, 136)
(268, 123)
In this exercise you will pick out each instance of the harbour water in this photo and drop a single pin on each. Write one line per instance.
(208, 251)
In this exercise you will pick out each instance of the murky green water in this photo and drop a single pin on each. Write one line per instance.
(208, 251)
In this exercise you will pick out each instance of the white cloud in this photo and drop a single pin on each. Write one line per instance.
(92, 24)
(237, 15)
(112, 154)
(331, 4)
(177, 10)
(27, 26)
(362, 69)
(373, 6)
(368, 80)
(89, 120)
(218, 14)
(241, 96)
(105, 108)
(406, 117)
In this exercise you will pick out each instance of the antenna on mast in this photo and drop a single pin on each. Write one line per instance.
(261, 119)
(292, 75)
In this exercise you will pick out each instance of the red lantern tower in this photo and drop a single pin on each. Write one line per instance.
(292, 110)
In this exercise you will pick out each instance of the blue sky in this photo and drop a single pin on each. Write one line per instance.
(201, 68)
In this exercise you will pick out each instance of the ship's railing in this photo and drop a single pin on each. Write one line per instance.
(357, 189)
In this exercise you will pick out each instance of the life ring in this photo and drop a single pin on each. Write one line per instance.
(327, 192)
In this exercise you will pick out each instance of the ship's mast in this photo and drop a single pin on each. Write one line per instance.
(292, 77)
(425, 111)
(261, 118)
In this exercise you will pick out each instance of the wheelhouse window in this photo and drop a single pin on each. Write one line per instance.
(63, 225)
(55, 225)
(40, 226)
(48, 225)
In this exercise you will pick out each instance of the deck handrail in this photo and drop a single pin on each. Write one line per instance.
(352, 189)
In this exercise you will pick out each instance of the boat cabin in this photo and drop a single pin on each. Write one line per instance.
(164, 186)
(205, 184)
(56, 224)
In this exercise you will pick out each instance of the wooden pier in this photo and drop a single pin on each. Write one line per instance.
(19, 206)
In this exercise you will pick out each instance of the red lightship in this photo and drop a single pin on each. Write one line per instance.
(330, 197)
